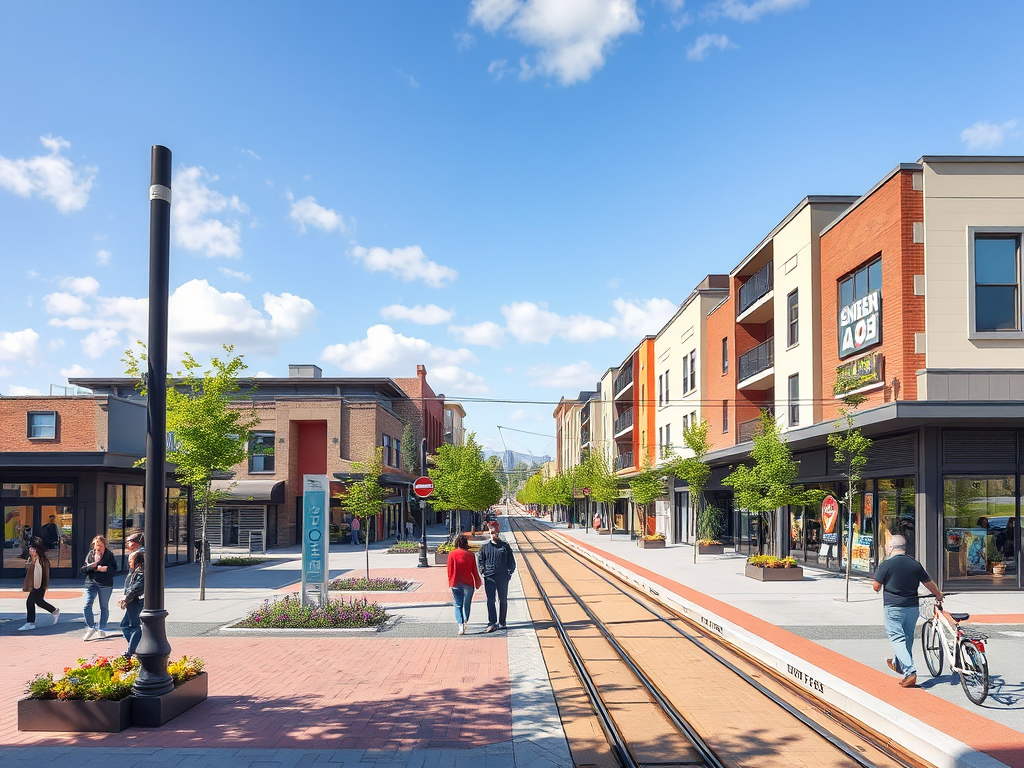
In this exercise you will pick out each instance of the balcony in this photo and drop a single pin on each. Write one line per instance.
(746, 430)
(584, 437)
(624, 423)
(624, 461)
(753, 291)
(756, 367)
(585, 414)
(623, 381)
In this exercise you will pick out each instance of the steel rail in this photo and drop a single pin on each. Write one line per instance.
(699, 744)
(773, 697)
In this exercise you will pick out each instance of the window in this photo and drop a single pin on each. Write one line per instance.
(398, 454)
(666, 388)
(865, 280)
(693, 418)
(686, 374)
(725, 356)
(693, 370)
(668, 438)
(660, 391)
(261, 452)
(42, 425)
(386, 453)
(725, 415)
(793, 317)
(794, 399)
(661, 441)
(686, 422)
(997, 283)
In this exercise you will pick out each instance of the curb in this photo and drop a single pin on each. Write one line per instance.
(918, 738)
(317, 630)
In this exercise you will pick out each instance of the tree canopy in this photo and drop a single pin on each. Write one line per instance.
(462, 479)
(364, 498)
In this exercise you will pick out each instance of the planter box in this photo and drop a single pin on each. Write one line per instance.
(650, 544)
(75, 716)
(604, 532)
(440, 558)
(774, 574)
(154, 711)
(711, 549)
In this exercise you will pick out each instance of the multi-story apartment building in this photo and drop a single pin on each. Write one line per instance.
(454, 423)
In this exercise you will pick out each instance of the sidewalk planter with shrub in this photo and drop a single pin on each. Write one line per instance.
(404, 547)
(441, 553)
(191, 686)
(710, 547)
(651, 541)
(363, 584)
(771, 568)
(288, 612)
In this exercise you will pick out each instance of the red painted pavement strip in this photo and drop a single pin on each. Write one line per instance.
(979, 733)
(309, 693)
(997, 618)
(53, 594)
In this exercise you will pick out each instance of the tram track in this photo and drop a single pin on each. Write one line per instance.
(617, 638)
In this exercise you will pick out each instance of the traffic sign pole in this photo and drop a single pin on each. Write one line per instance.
(423, 504)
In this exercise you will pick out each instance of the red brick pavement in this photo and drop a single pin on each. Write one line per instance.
(433, 586)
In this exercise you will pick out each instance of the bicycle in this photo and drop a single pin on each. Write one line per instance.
(943, 636)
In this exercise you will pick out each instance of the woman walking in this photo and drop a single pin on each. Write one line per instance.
(37, 581)
(464, 579)
(99, 569)
(134, 584)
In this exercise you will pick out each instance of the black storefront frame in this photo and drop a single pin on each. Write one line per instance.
(183, 552)
(40, 501)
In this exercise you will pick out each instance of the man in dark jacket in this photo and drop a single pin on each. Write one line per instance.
(497, 564)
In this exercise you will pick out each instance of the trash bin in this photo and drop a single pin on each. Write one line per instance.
(204, 546)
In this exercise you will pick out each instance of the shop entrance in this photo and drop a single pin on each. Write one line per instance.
(52, 523)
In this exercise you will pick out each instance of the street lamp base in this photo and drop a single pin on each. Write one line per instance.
(423, 558)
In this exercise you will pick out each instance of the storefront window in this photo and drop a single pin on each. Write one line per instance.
(980, 527)
(896, 515)
(38, 490)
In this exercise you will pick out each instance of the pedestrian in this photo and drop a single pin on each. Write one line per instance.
(50, 534)
(408, 529)
(134, 586)
(497, 564)
(99, 569)
(354, 526)
(899, 575)
(37, 581)
(464, 579)
(597, 521)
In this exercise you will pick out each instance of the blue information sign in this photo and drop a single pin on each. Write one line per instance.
(315, 506)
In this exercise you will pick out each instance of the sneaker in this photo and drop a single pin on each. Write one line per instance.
(26, 626)
(909, 681)
(101, 634)
(491, 628)
(56, 615)
(894, 665)
(502, 627)
(89, 633)
(462, 629)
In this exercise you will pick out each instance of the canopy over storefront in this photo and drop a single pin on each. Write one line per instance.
(254, 491)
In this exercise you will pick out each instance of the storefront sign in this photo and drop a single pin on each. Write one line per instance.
(829, 518)
(862, 372)
(315, 496)
(860, 324)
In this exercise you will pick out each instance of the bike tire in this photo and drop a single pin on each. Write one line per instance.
(975, 682)
(931, 645)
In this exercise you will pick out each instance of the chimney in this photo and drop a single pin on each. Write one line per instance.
(304, 372)
(421, 371)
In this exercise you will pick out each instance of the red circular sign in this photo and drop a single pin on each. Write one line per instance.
(829, 514)
(423, 487)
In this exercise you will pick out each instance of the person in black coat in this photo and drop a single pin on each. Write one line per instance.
(99, 569)
(134, 589)
(497, 563)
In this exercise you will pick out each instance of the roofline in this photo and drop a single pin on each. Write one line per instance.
(381, 382)
(970, 159)
(885, 180)
(809, 200)
(694, 294)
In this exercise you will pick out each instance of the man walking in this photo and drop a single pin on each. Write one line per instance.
(497, 564)
(899, 575)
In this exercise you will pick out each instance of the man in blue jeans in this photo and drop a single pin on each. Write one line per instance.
(899, 575)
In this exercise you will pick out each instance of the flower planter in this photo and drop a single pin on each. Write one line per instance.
(774, 574)
(604, 532)
(659, 544)
(440, 558)
(154, 711)
(711, 549)
(74, 716)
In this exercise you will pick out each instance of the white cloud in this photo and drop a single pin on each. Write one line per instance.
(464, 41)
(635, 320)
(5, 371)
(264, 375)
(408, 79)
(250, 153)
(15, 391)
(485, 334)
(243, 276)
(80, 286)
(193, 224)
(308, 212)
(97, 343)
(703, 45)
(64, 304)
(52, 177)
(19, 346)
(526, 415)
(614, 283)
(737, 10)
(572, 37)
(533, 324)
(31, 274)
(431, 314)
(75, 371)
(55, 344)
(572, 376)
(457, 381)
(407, 264)
(103, 257)
(985, 135)
(386, 353)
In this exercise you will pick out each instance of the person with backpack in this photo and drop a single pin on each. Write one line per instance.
(497, 564)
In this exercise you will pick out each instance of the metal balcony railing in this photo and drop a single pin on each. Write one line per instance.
(757, 286)
(584, 437)
(623, 380)
(760, 358)
(746, 430)
(625, 421)
(585, 414)
(624, 461)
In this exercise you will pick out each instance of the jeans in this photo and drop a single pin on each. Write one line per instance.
(131, 625)
(463, 594)
(92, 591)
(35, 597)
(899, 626)
(496, 586)
(355, 537)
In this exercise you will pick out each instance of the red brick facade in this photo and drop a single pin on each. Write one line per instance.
(81, 424)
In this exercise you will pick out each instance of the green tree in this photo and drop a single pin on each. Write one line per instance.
(696, 472)
(410, 450)
(211, 429)
(646, 487)
(364, 498)
(595, 474)
(462, 479)
(769, 484)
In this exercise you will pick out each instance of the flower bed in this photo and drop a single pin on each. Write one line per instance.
(771, 568)
(405, 547)
(289, 613)
(241, 561)
(651, 541)
(363, 584)
(771, 561)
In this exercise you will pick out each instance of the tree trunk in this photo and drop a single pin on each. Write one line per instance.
(204, 520)
(367, 549)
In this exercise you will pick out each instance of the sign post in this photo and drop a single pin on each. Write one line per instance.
(315, 494)
(423, 486)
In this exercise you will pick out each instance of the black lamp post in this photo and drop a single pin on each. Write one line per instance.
(423, 509)
(153, 650)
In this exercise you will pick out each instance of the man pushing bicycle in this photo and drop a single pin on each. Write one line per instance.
(900, 575)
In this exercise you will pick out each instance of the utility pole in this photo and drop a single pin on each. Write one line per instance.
(423, 509)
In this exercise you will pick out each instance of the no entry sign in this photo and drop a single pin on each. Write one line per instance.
(423, 487)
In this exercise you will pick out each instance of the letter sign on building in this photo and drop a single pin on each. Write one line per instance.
(860, 325)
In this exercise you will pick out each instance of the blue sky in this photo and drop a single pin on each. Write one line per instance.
(510, 192)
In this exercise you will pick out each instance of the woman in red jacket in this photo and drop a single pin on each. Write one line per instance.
(464, 579)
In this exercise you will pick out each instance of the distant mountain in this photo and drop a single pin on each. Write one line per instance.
(509, 459)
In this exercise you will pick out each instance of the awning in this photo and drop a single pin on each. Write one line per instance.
(257, 491)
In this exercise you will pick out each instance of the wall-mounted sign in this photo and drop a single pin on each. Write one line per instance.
(862, 372)
(315, 497)
(860, 325)
(829, 518)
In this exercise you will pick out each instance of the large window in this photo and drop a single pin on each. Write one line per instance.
(980, 528)
(42, 425)
(793, 319)
(693, 370)
(126, 513)
(996, 283)
(261, 452)
(856, 286)
(666, 388)
(794, 399)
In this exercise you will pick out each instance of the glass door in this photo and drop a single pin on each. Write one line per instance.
(52, 523)
(18, 527)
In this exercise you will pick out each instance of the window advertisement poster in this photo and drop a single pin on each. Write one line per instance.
(315, 500)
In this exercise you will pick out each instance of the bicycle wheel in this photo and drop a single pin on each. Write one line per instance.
(974, 674)
(931, 644)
